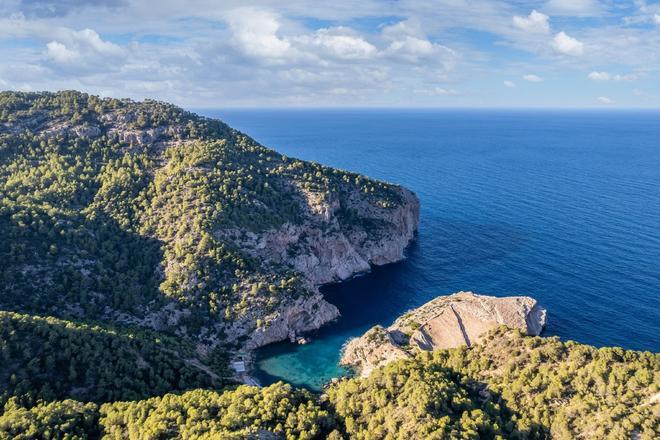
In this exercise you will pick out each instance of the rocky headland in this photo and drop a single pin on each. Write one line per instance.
(445, 322)
(173, 222)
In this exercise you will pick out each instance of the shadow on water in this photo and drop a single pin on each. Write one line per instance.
(380, 296)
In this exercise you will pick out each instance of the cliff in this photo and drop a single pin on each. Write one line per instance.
(325, 248)
(445, 322)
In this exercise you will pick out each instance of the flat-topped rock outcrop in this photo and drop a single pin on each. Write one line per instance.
(445, 322)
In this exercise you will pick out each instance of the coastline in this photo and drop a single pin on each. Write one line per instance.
(249, 355)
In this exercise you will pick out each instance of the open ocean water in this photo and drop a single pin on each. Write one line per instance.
(563, 206)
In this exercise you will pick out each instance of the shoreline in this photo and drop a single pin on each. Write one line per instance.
(247, 376)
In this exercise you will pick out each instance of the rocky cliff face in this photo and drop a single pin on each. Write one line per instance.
(445, 322)
(326, 249)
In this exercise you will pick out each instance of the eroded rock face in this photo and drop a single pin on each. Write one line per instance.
(301, 316)
(324, 249)
(445, 322)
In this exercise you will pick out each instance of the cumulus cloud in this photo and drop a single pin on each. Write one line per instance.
(599, 76)
(406, 43)
(532, 78)
(605, 100)
(254, 32)
(605, 76)
(535, 22)
(83, 50)
(411, 48)
(205, 52)
(564, 44)
(340, 43)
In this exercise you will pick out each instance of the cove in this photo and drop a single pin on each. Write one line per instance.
(560, 205)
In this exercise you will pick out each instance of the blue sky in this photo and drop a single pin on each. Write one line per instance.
(405, 53)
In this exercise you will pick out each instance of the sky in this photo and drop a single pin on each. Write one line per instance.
(354, 53)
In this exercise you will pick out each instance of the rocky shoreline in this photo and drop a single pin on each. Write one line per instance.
(326, 252)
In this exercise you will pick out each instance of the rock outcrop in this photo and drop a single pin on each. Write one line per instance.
(445, 322)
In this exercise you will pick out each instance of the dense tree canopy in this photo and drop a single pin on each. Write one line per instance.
(49, 359)
(511, 386)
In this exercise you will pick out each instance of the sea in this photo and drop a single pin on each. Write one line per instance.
(561, 205)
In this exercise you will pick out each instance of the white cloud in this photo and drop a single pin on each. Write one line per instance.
(410, 48)
(60, 53)
(509, 84)
(402, 29)
(406, 43)
(254, 32)
(564, 44)
(205, 52)
(439, 91)
(339, 43)
(532, 78)
(536, 22)
(599, 76)
(605, 100)
(605, 76)
(83, 50)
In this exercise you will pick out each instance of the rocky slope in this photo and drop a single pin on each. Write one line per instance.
(445, 322)
(141, 213)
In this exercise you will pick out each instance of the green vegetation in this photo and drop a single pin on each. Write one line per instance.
(114, 204)
(44, 359)
(566, 389)
(512, 386)
(418, 400)
(237, 414)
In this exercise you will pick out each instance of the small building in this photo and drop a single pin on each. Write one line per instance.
(238, 366)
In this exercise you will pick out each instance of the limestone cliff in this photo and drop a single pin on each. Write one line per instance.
(445, 322)
(326, 249)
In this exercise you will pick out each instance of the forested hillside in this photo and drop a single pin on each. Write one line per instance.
(511, 386)
(142, 213)
(49, 359)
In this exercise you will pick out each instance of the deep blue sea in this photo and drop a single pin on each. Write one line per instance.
(560, 205)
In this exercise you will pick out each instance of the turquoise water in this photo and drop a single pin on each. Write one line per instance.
(563, 206)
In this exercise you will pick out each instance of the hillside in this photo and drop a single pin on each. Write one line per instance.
(508, 386)
(143, 214)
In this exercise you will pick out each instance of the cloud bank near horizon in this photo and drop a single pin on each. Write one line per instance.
(204, 53)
